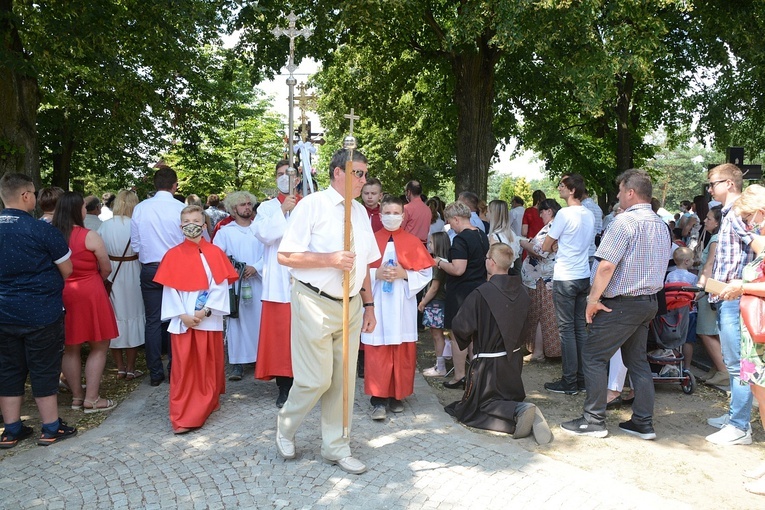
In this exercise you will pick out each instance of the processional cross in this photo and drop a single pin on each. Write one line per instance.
(292, 32)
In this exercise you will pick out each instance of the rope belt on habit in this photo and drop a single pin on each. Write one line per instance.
(123, 259)
(493, 354)
(322, 294)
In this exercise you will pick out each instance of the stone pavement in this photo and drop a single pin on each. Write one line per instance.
(418, 459)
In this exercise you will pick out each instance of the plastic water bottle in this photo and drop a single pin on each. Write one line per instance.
(246, 291)
(201, 299)
(388, 286)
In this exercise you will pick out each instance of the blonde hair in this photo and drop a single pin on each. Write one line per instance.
(727, 171)
(124, 203)
(456, 209)
(193, 209)
(682, 254)
(750, 201)
(194, 200)
(502, 255)
(232, 199)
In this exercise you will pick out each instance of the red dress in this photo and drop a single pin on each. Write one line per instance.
(89, 314)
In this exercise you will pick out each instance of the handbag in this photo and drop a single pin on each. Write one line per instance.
(235, 290)
(109, 283)
(753, 314)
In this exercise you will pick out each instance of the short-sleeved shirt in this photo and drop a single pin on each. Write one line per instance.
(637, 242)
(573, 227)
(733, 251)
(681, 276)
(534, 221)
(31, 285)
(316, 225)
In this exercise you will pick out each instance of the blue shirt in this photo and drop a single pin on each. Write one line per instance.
(31, 285)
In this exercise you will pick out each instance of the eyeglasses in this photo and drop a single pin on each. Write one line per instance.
(361, 174)
(715, 183)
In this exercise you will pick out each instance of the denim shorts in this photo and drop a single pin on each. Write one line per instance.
(433, 314)
(33, 350)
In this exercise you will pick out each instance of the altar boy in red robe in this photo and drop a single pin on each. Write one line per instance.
(390, 354)
(196, 276)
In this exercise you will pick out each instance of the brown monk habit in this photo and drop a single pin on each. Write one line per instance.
(492, 317)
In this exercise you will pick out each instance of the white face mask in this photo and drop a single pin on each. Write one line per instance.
(283, 183)
(392, 221)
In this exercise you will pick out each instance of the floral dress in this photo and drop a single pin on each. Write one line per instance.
(752, 354)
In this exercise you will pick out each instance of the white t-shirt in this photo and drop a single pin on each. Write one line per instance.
(573, 227)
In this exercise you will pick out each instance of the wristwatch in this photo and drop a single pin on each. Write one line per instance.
(207, 311)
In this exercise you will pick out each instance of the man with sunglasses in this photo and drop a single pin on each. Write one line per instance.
(312, 247)
(734, 251)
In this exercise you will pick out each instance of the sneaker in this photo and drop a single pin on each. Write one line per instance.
(641, 431)
(379, 413)
(236, 373)
(581, 427)
(561, 387)
(729, 435)
(63, 432)
(524, 419)
(9, 440)
(719, 422)
(434, 372)
(396, 406)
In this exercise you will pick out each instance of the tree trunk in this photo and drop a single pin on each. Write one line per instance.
(625, 85)
(474, 97)
(62, 163)
(20, 95)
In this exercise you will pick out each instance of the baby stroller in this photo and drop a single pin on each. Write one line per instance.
(667, 335)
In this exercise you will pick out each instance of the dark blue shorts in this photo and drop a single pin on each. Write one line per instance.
(33, 350)
(691, 336)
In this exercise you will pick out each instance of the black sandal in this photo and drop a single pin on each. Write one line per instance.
(9, 441)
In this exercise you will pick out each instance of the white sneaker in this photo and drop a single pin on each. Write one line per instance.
(434, 372)
(719, 422)
(729, 435)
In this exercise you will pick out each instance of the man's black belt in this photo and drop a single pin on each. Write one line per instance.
(649, 297)
(322, 294)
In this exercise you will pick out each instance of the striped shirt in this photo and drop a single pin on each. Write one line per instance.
(637, 242)
(733, 251)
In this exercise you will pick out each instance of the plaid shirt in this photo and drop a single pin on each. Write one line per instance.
(638, 243)
(733, 251)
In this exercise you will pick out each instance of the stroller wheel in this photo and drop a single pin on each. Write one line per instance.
(689, 382)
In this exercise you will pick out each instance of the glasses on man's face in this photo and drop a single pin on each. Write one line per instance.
(712, 184)
(361, 174)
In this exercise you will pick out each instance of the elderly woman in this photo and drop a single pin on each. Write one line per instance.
(751, 207)
(125, 296)
(465, 271)
(89, 315)
(543, 337)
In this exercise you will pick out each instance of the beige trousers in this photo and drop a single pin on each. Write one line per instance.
(317, 364)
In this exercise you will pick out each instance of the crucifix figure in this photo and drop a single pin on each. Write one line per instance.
(304, 101)
(352, 117)
(292, 32)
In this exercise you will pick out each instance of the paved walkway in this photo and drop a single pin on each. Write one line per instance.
(418, 459)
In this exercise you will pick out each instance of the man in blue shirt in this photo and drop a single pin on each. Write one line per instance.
(34, 261)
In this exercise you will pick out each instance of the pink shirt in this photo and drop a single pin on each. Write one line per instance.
(417, 221)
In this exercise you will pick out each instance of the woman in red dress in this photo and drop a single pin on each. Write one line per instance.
(89, 315)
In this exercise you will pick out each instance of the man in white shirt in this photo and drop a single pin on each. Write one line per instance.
(516, 215)
(92, 209)
(312, 247)
(572, 229)
(153, 231)
(274, 354)
(597, 215)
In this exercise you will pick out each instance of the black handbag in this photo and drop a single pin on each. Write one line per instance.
(235, 290)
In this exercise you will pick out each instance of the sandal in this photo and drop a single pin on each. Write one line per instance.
(121, 374)
(77, 407)
(135, 374)
(110, 404)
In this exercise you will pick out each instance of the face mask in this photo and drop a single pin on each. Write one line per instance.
(283, 183)
(192, 231)
(392, 221)
(754, 226)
